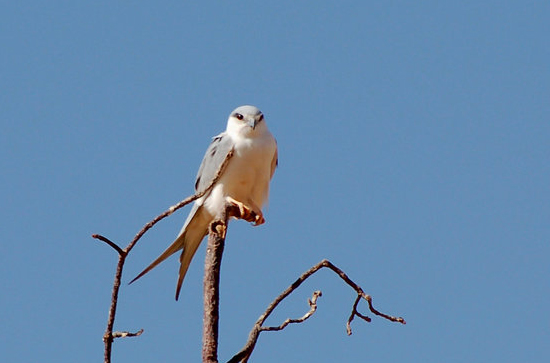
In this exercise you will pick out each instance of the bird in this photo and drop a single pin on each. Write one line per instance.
(243, 183)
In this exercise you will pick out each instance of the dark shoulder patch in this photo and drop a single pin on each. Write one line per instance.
(197, 183)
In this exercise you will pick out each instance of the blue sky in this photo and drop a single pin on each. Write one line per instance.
(414, 154)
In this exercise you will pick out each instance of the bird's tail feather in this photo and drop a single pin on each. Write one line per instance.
(195, 224)
(194, 234)
(173, 248)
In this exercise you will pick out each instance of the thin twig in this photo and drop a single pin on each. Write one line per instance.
(247, 350)
(354, 313)
(312, 308)
(109, 242)
(108, 337)
(124, 334)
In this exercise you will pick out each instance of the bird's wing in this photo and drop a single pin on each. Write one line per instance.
(213, 159)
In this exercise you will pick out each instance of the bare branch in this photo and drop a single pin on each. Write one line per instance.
(312, 308)
(109, 336)
(354, 312)
(109, 242)
(246, 351)
(211, 285)
(211, 288)
(124, 334)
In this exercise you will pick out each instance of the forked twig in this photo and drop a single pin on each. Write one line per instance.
(246, 351)
(312, 308)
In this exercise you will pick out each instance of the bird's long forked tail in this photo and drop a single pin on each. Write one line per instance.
(173, 248)
(185, 259)
(189, 239)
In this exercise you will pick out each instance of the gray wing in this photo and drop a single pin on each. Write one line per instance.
(215, 155)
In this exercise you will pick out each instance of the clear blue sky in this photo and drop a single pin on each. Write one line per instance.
(414, 154)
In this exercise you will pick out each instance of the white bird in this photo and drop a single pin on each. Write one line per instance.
(244, 182)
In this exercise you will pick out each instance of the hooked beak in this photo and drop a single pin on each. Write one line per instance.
(252, 123)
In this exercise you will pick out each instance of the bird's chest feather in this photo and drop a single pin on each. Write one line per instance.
(251, 163)
(247, 175)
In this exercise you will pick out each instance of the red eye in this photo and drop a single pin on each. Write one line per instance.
(239, 116)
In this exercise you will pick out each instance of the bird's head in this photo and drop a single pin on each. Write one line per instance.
(245, 121)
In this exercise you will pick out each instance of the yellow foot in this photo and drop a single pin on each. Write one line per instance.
(247, 213)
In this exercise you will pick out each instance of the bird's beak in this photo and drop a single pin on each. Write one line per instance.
(252, 123)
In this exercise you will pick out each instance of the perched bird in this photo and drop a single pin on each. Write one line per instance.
(244, 182)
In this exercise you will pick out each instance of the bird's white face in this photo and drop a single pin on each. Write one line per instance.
(246, 121)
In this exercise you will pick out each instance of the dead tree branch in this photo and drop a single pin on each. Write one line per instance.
(312, 308)
(109, 336)
(211, 289)
(211, 285)
(246, 351)
(124, 334)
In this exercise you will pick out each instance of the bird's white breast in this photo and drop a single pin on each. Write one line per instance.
(248, 173)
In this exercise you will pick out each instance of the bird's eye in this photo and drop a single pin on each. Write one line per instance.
(261, 117)
(239, 116)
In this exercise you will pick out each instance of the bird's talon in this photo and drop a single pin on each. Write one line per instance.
(259, 220)
(247, 213)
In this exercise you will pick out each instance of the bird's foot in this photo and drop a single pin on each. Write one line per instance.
(258, 219)
(247, 213)
(218, 227)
